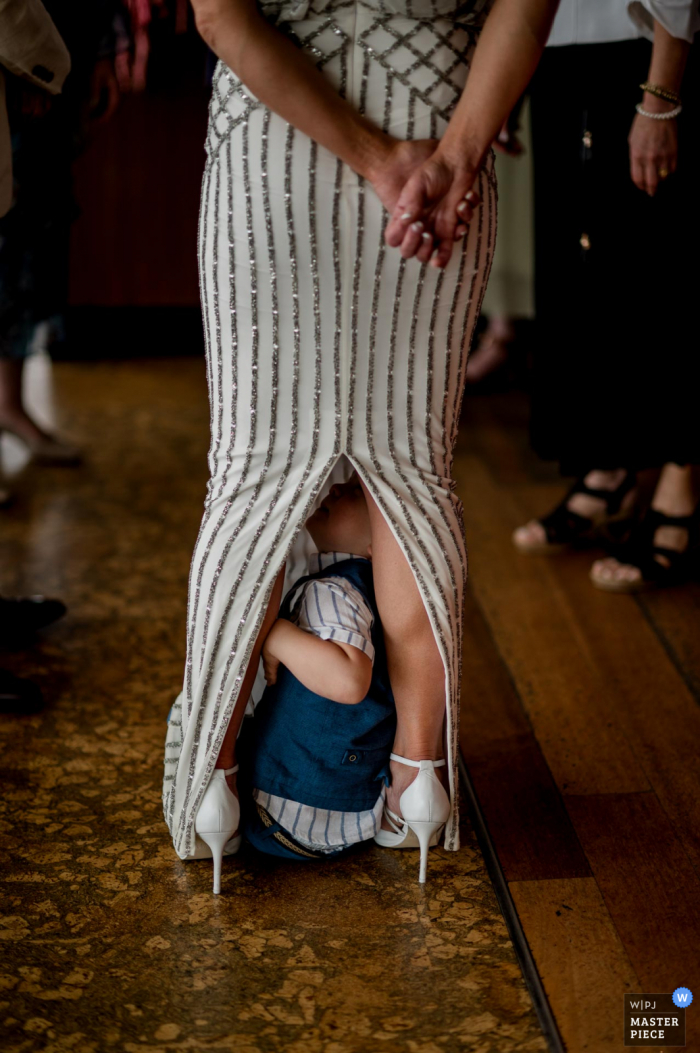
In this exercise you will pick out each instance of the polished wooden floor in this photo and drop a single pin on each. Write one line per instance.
(581, 733)
(109, 942)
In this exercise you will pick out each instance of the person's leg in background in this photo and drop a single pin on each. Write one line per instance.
(33, 262)
(590, 357)
(668, 370)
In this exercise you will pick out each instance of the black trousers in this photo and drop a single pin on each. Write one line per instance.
(616, 362)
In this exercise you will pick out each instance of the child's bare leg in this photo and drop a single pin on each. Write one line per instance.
(227, 755)
(416, 669)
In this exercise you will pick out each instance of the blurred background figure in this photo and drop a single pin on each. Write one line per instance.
(32, 49)
(47, 130)
(509, 299)
(614, 385)
(63, 67)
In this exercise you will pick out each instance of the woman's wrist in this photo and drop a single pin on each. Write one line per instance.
(371, 150)
(655, 105)
(461, 152)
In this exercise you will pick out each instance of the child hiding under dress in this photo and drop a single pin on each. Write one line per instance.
(315, 753)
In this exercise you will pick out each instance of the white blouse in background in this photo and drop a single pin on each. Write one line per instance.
(604, 21)
(680, 18)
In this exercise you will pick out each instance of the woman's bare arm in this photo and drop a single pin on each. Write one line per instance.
(286, 80)
(654, 144)
(506, 56)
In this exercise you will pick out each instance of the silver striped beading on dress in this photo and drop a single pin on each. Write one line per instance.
(326, 352)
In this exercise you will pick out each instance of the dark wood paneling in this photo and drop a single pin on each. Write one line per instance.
(138, 187)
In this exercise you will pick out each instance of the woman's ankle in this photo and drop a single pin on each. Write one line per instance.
(402, 775)
(605, 478)
(421, 748)
(674, 493)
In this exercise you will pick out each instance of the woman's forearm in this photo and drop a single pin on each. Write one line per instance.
(506, 56)
(284, 78)
(668, 58)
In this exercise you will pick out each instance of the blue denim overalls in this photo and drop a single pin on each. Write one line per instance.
(306, 748)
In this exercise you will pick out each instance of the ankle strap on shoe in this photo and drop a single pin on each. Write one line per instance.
(417, 763)
(231, 771)
(397, 824)
(613, 498)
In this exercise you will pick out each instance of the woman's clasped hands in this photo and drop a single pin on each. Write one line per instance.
(429, 197)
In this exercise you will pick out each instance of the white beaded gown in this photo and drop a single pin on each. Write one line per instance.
(326, 352)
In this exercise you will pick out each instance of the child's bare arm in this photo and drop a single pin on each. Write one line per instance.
(337, 671)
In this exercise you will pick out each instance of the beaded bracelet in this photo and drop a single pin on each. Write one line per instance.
(658, 116)
(661, 93)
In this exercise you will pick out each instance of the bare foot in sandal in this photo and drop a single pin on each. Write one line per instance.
(599, 498)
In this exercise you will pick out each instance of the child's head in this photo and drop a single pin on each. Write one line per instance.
(341, 522)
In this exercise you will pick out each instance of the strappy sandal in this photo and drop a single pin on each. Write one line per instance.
(641, 551)
(564, 528)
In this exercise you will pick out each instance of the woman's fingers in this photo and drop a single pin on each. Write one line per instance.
(433, 211)
(465, 213)
(452, 221)
(442, 252)
(653, 152)
(447, 219)
(413, 239)
(425, 248)
(665, 166)
(409, 209)
(471, 200)
(441, 257)
(651, 176)
(395, 230)
(637, 172)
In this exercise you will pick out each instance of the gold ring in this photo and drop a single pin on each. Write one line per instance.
(663, 173)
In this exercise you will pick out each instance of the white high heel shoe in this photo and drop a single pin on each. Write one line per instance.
(217, 820)
(425, 807)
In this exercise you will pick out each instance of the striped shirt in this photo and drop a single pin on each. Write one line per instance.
(332, 609)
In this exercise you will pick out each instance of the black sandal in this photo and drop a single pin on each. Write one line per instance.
(563, 527)
(640, 551)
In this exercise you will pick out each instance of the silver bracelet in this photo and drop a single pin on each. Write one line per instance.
(658, 116)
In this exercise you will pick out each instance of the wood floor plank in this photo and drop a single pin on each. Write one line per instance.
(497, 432)
(539, 635)
(605, 682)
(527, 820)
(649, 885)
(675, 614)
(643, 691)
(583, 965)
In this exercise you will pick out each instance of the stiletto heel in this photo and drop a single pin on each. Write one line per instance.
(217, 843)
(424, 832)
(217, 821)
(425, 807)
